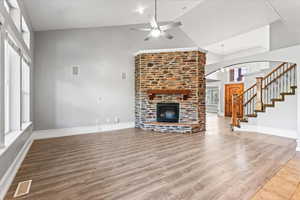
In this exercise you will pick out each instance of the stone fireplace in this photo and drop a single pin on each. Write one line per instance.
(170, 90)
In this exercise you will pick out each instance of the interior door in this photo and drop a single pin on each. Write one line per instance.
(231, 89)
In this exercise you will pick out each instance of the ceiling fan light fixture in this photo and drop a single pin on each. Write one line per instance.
(140, 10)
(155, 30)
(156, 33)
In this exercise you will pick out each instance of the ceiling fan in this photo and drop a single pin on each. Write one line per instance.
(157, 30)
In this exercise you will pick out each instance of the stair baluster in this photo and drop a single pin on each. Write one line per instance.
(264, 93)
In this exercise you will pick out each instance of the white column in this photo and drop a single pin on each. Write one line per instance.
(2, 86)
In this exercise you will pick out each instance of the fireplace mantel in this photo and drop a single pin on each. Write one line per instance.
(185, 93)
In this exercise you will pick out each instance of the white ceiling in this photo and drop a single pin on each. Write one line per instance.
(209, 23)
(216, 20)
(66, 14)
(289, 11)
(258, 38)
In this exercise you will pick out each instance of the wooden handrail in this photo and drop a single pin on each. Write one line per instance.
(283, 73)
(249, 100)
(246, 90)
(274, 70)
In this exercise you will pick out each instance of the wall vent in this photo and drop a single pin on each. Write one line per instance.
(23, 188)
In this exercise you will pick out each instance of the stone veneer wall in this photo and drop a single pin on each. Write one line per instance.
(170, 70)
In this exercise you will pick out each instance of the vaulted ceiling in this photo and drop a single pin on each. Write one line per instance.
(207, 22)
(288, 11)
(66, 14)
(217, 20)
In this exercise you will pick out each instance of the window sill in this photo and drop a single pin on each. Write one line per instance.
(11, 137)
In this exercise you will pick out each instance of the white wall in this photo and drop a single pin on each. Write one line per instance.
(213, 58)
(282, 36)
(281, 120)
(103, 54)
(246, 52)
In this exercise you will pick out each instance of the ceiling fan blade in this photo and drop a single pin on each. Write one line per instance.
(141, 29)
(170, 26)
(154, 23)
(167, 35)
(148, 37)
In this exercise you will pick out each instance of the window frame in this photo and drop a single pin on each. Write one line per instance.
(13, 21)
(25, 92)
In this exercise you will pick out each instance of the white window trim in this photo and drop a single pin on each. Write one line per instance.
(11, 137)
(2, 84)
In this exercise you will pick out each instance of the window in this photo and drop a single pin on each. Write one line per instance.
(25, 32)
(212, 99)
(12, 88)
(25, 92)
(212, 96)
(15, 71)
(7, 89)
(6, 5)
(14, 11)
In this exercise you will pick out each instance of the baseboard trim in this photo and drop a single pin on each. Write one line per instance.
(54, 133)
(221, 114)
(298, 145)
(268, 131)
(10, 174)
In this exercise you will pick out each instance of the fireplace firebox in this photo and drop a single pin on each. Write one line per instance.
(168, 112)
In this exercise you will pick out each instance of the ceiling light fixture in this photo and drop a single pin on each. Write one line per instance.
(155, 33)
(140, 10)
(157, 30)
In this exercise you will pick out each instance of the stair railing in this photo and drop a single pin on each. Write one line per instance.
(280, 81)
(267, 90)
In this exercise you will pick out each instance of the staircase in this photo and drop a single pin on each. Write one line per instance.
(268, 90)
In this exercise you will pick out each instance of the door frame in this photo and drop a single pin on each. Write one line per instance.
(225, 93)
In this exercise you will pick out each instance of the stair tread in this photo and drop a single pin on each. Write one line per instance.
(269, 105)
(287, 93)
(277, 99)
(259, 110)
(252, 115)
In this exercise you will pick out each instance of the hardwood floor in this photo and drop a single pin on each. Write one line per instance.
(284, 185)
(137, 165)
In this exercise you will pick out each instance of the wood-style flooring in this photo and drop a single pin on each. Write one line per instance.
(137, 165)
(284, 185)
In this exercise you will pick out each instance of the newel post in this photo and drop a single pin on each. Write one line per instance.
(234, 121)
(259, 102)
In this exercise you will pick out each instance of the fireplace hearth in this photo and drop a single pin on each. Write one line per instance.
(168, 112)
